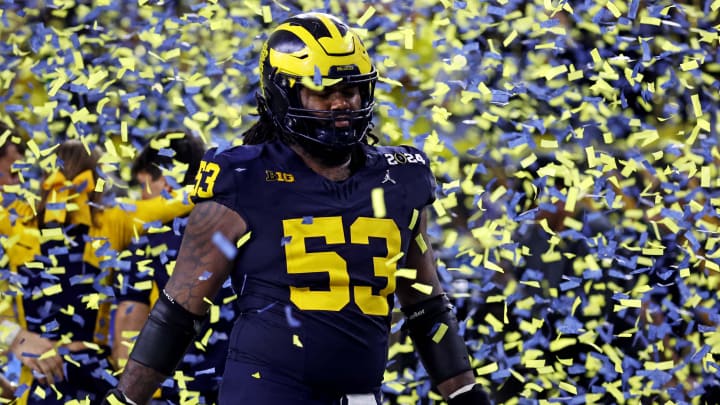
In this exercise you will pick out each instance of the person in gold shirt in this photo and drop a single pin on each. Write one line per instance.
(10, 152)
(62, 254)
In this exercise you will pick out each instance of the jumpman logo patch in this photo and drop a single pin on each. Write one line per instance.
(388, 178)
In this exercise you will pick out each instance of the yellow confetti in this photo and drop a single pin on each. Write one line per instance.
(410, 274)
(575, 305)
(394, 259)
(537, 363)
(440, 333)
(423, 288)
(697, 108)
(390, 81)
(33, 148)
(631, 303)
(499, 192)
(712, 266)
(527, 161)
(616, 13)
(367, 15)
(650, 20)
(555, 71)
(171, 54)
(95, 78)
(243, 239)
(124, 131)
(494, 322)
(488, 369)
(510, 38)
(267, 14)
(561, 343)
(378, 202)
(662, 365)
(689, 65)
(573, 223)
(52, 290)
(572, 195)
(549, 143)
(575, 74)
(568, 387)
(256, 374)
(127, 62)
(492, 266)
(531, 283)
(421, 243)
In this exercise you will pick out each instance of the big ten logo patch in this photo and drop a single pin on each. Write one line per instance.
(271, 175)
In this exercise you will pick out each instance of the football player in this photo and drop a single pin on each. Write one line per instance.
(323, 222)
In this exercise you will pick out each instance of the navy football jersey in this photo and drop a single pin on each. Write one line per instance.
(315, 277)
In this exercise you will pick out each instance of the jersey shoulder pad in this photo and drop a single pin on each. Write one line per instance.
(240, 153)
(413, 166)
(218, 173)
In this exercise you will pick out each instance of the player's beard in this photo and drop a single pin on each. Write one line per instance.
(325, 155)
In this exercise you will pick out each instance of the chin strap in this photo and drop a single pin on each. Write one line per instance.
(329, 157)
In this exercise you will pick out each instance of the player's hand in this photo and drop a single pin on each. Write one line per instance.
(39, 354)
(476, 396)
(7, 389)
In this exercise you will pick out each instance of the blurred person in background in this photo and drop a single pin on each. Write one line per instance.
(169, 162)
(10, 152)
(60, 261)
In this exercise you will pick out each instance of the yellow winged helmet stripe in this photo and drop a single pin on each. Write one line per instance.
(325, 52)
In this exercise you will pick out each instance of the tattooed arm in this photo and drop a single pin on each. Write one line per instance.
(189, 283)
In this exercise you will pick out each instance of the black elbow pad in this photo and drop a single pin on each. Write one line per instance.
(434, 330)
(166, 335)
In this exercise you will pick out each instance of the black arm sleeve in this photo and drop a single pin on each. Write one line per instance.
(166, 335)
(435, 333)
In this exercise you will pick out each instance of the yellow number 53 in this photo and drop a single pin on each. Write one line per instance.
(337, 296)
(205, 179)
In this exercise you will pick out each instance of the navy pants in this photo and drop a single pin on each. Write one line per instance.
(245, 383)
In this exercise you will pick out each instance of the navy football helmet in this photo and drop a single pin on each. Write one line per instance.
(316, 50)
